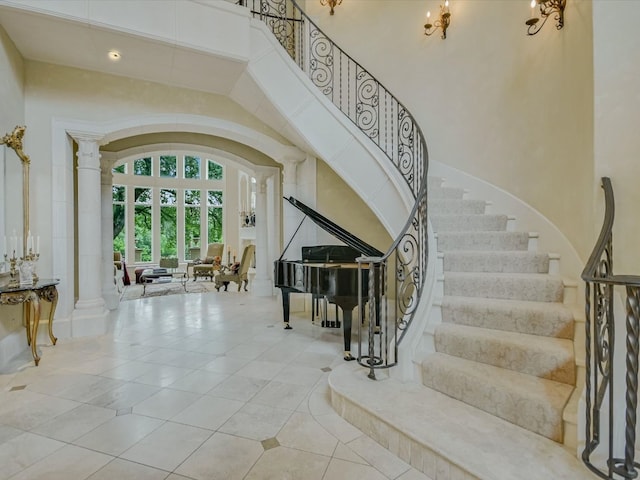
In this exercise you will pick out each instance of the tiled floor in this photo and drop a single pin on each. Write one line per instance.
(199, 386)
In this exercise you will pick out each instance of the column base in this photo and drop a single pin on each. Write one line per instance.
(89, 318)
(262, 288)
(111, 299)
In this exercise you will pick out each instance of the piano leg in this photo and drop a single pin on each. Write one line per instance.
(285, 307)
(346, 324)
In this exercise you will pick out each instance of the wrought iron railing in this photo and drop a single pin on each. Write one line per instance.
(399, 276)
(600, 343)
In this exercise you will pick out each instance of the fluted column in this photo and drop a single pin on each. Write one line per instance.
(109, 291)
(90, 303)
(262, 284)
(291, 216)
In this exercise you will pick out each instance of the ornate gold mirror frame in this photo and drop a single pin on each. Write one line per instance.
(14, 141)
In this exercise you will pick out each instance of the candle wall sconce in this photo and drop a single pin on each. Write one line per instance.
(442, 22)
(546, 8)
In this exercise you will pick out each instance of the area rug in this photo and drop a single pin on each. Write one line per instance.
(134, 292)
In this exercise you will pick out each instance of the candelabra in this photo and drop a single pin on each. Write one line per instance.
(443, 21)
(13, 272)
(546, 8)
(248, 219)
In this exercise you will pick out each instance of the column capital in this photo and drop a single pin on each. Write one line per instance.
(81, 136)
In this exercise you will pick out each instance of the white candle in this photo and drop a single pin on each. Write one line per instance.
(533, 8)
(4, 245)
(21, 246)
(38, 244)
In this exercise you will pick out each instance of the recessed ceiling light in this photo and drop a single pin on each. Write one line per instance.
(114, 55)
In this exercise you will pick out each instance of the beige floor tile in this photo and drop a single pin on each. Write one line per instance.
(299, 375)
(23, 451)
(225, 364)
(167, 446)
(288, 463)
(129, 370)
(68, 463)
(222, 456)
(165, 404)
(118, 434)
(29, 415)
(281, 395)
(75, 423)
(413, 474)
(343, 452)
(163, 375)
(343, 470)
(257, 422)
(119, 469)
(302, 432)
(238, 388)
(124, 396)
(7, 433)
(378, 456)
(260, 369)
(208, 412)
(338, 427)
(199, 381)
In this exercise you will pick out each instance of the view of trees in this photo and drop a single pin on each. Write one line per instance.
(143, 201)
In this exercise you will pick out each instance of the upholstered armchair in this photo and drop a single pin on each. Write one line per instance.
(211, 262)
(240, 273)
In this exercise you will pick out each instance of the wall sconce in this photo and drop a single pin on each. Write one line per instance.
(442, 22)
(332, 4)
(547, 8)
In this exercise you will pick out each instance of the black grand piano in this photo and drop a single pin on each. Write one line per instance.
(329, 271)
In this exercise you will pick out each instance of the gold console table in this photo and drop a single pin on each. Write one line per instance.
(30, 296)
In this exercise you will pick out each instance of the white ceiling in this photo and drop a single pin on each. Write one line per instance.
(54, 40)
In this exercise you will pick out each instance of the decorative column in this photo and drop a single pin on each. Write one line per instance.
(109, 290)
(262, 284)
(89, 314)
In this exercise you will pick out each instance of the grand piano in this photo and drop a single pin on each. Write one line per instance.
(329, 271)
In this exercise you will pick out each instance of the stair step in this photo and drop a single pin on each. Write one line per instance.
(533, 318)
(482, 241)
(533, 403)
(532, 287)
(496, 261)
(446, 438)
(544, 357)
(466, 222)
(434, 182)
(446, 192)
(450, 206)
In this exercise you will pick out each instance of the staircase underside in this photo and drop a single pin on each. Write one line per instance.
(444, 438)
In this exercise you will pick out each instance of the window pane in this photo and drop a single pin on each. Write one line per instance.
(168, 197)
(214, 170)
(119, 230)
(119, 193)
(191, 167)
(120, 169)
(168, 166)
(168, 232)
(214, 217)
(142, 166)
(142, 195)
(214, 198)
(191, 228)
(192, 197)
(143, 232)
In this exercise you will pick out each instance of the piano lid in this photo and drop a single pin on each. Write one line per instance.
(336, 230)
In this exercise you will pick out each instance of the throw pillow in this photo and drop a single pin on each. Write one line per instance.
(208, 260)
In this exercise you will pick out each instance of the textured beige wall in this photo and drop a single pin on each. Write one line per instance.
(340, 204)
(617, 117)
(514, 110)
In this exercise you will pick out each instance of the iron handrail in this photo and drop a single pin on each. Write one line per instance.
(600, 346)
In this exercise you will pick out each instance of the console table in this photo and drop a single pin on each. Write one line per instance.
(30, 296)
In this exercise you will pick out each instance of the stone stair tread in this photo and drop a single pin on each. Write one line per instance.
(469, 221)
(535, 318)
(451, 205)
(554, 357)
(496, 261)
(441, 429)
(482, 241)
(539, 287)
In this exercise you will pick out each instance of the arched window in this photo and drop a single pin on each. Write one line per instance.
(164, 205)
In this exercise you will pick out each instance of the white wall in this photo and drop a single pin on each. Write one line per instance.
(12, 114)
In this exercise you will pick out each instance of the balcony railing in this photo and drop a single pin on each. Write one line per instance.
(603, 396)
(389, 125)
